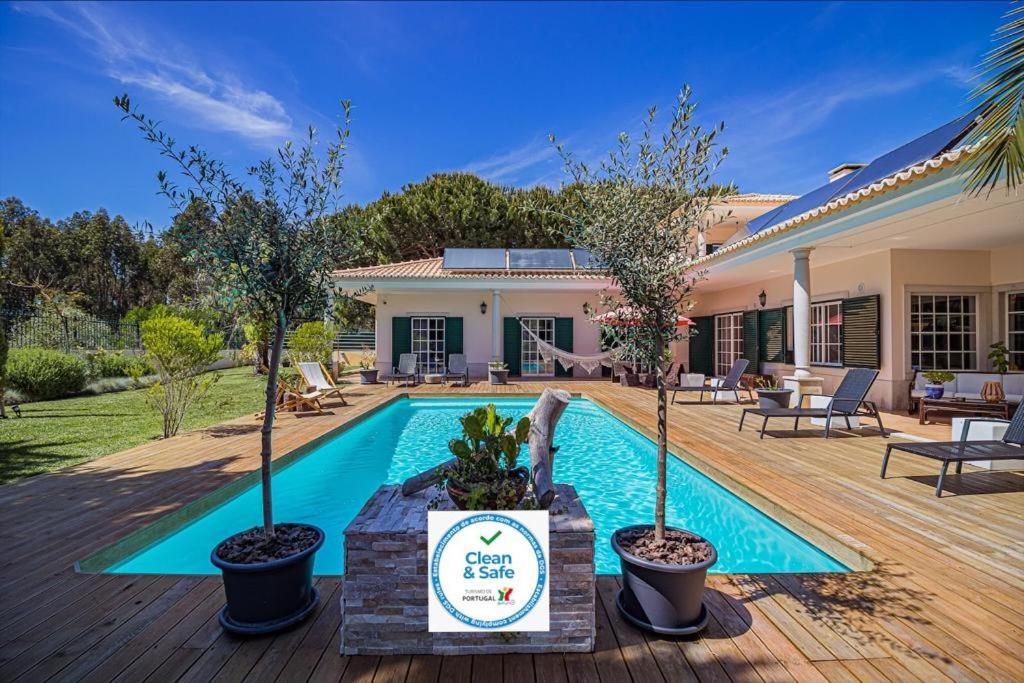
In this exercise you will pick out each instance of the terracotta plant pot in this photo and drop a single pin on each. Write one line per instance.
(267, 597)
(459, 493)
(663, 598)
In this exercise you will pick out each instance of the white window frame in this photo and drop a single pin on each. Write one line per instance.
(826, 349)
(728, 341)
(529, 355)
(1015, 335)
(941, 330)
(428, 343)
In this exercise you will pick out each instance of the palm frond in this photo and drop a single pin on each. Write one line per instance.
(1001, 108)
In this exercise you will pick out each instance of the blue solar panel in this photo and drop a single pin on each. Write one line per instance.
(474, 259)
(584, 259)
(539, 259)
(914, 152)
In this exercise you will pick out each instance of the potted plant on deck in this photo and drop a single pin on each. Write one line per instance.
(485, 475)
(771, 395)
(497, 371)
(368, 366)
(936, 378)
(640, 214)
(268, 250)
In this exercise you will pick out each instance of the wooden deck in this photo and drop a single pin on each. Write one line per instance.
(945, 599)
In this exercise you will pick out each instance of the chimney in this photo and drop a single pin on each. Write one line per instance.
(843, 170)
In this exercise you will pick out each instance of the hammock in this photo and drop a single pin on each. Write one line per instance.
(566, 359)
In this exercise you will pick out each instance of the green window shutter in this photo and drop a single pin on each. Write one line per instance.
(771, 334)
(750, 340)
(401, 338)
(452, 336)
(702, 345)
(513, 346)
(563, 341)
(862, 332)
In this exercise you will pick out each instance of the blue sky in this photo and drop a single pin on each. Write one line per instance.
(801, 87)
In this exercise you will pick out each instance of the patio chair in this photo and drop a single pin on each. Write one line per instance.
(299, 400)
(316, 375)
(730, 385)
(847, 402)
(458, 368)
(1010, 447)
(405, 372)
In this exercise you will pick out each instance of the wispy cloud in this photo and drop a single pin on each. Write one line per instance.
(216, 101)
(515, 164)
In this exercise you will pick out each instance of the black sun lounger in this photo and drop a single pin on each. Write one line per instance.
(847, 402)
(730, 385)
(1011, 447)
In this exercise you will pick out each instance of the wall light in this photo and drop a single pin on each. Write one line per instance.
(483, 308)
(762, 298)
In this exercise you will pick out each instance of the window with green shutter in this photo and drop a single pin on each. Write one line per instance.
(702, 345)
(563, 341)
(401, 338)
(862, 332)
(771, 331)
(513, 346)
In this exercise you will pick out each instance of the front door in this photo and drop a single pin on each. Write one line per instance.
(532, 362)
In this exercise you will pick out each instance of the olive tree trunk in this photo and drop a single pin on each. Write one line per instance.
(659, 505)
(266, 433)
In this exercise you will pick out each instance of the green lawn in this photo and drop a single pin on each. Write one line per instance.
(55, 434)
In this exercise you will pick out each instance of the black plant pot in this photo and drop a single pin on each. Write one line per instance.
(368, 376)
(774, 398)
(663, 598)
(498, 376)
(268, 597)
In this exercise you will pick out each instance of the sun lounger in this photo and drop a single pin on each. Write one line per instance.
(847, 402)
(316, 375)
(405, 372)
(1011, 447)
(291, 398)
(458, 368)
(730, 385)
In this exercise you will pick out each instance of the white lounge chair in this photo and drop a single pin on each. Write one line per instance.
(316, 375)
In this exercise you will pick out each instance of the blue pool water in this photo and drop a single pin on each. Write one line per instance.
(611, 465)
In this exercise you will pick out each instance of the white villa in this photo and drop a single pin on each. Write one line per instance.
(887, 265)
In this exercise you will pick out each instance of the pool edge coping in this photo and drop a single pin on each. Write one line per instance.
(136, 541)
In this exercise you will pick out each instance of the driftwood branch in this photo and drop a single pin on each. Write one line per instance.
(543, 419)
(426, 479)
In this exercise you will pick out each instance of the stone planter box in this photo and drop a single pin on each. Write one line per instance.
(384, 590)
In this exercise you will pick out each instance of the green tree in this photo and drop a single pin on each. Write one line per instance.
(266, 247)
(640, 212)
(181, 353)
(1001, 108)
(312, 341)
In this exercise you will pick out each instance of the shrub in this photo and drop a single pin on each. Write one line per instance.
(312, 342)
(180, 352)
(45, 374)
(105, 364)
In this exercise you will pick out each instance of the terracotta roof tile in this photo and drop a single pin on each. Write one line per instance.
(431, 269)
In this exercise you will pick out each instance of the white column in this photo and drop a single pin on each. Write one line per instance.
(802, 312)
(801, 381)
(496, 330)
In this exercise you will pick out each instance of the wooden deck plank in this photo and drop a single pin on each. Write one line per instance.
(944, 601)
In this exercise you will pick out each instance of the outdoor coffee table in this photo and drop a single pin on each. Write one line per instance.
(961, 407)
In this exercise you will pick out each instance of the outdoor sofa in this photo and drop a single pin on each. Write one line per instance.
(848, 401)
(967, 384)
(1010, 447)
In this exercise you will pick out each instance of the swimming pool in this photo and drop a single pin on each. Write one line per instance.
(611, 465)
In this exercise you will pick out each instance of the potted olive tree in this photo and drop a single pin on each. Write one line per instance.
(368, 366)
(640, 214)
(267, 247)
(497, 372)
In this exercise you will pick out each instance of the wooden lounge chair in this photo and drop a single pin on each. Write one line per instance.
(730, 385)
(405, 372)
(847, 402)
(315, 375)
(291, 398)
(1010, 447)
(458, 369)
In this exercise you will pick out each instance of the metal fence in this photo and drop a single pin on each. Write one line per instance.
(70, 333)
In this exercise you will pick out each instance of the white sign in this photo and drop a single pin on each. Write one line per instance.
(488, 571)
